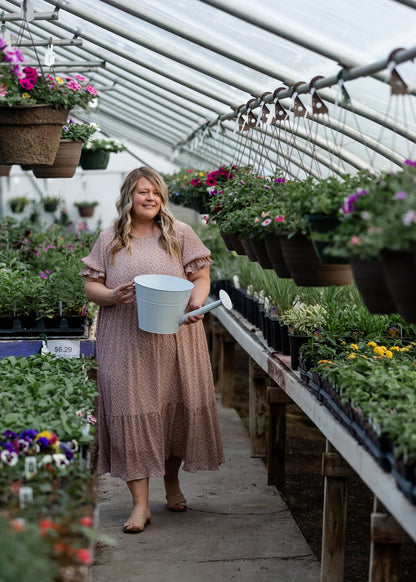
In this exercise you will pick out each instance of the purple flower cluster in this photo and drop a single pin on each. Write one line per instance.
(348, 205)
(29, 442)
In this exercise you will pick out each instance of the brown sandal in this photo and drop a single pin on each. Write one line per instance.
(176, 502)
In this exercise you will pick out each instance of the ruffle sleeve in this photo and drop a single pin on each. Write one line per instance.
(95, 261)
(195, 255)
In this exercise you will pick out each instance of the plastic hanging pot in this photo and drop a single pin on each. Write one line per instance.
(97, 160)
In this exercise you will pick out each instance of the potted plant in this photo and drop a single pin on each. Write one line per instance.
(299, 253)
(302, 322)
(50, 203)
(18, 203)
(95, 153)
(69, 152)
(323, 215)
(34, 107)
(378, 233)
(85, 208)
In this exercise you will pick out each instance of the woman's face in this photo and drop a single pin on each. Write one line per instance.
(146, 201)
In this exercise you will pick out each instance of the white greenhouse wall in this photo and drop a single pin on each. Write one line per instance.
(102, 186)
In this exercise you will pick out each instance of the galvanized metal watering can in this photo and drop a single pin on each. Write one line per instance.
(162, 300)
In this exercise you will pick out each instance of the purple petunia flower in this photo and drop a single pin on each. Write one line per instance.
(348, 205)
(400, 195)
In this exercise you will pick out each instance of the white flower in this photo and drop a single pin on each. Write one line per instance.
(9, 457)
(409, 217)
(60, 460)
(74, 446)
(46, 460)
(365, 215)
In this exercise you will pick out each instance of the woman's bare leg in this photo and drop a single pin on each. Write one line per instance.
(176, 500)
(140, 515)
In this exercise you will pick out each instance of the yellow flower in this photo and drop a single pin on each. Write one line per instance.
(59, 80)
(394, 348)
(363, 356)
(343, 343)
(201, 174)
(383, 348)
(25, 96)
(388, 354)
(378, 350)
(354, 346)
(324, 362)
(45, 433)
(351, 356)
(372, 344)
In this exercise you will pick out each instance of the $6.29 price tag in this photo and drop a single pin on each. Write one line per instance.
(64, 348)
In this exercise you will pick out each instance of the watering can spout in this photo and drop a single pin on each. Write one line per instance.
(224, 300)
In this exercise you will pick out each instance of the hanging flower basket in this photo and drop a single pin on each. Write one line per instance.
(305, 267)
(274, 250)
(4, 170)
(65, 163)
(86, 210)
(371, 283)
(30, 135)
(97, 160)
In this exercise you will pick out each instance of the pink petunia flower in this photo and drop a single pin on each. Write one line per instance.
(354, 240)
(266, 222)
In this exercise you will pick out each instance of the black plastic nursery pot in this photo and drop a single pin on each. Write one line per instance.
(295, 343)
(284, 338)
(29, 326)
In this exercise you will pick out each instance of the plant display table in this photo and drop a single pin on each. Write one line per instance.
(272, 384)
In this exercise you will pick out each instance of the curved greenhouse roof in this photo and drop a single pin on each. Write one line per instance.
(305, 86)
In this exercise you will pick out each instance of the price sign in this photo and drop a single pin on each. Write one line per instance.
(64, 348)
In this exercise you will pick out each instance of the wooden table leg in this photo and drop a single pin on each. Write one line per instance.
(257, 383)
(386, 539)
(276, 449)
(226, 369)
(336, 472)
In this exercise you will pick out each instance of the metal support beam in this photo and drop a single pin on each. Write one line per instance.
(55, 42)
(17, 17)
(73, 64)
(122, 65)
(188, 59)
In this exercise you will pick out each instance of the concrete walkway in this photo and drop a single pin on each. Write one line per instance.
(236, 527)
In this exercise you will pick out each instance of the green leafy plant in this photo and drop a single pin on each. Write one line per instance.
(78, 131)
(103, 144)
(18, 203)
(303, 319)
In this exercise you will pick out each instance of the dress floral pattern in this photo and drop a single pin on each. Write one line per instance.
(156, 393)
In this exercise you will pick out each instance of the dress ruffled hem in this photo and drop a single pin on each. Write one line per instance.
(136, 455)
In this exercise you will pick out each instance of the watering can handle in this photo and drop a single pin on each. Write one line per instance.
(223, 300)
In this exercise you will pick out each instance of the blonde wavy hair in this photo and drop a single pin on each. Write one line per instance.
(123, 224)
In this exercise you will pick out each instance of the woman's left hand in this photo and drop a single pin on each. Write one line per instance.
(193, 318)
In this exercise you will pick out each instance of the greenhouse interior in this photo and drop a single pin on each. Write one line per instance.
(272, 149)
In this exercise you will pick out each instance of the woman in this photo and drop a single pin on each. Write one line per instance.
(157, 403)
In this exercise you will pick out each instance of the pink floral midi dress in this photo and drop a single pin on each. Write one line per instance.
(156, 393)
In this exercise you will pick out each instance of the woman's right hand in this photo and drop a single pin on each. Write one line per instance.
(96, 291)
(125, 293)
